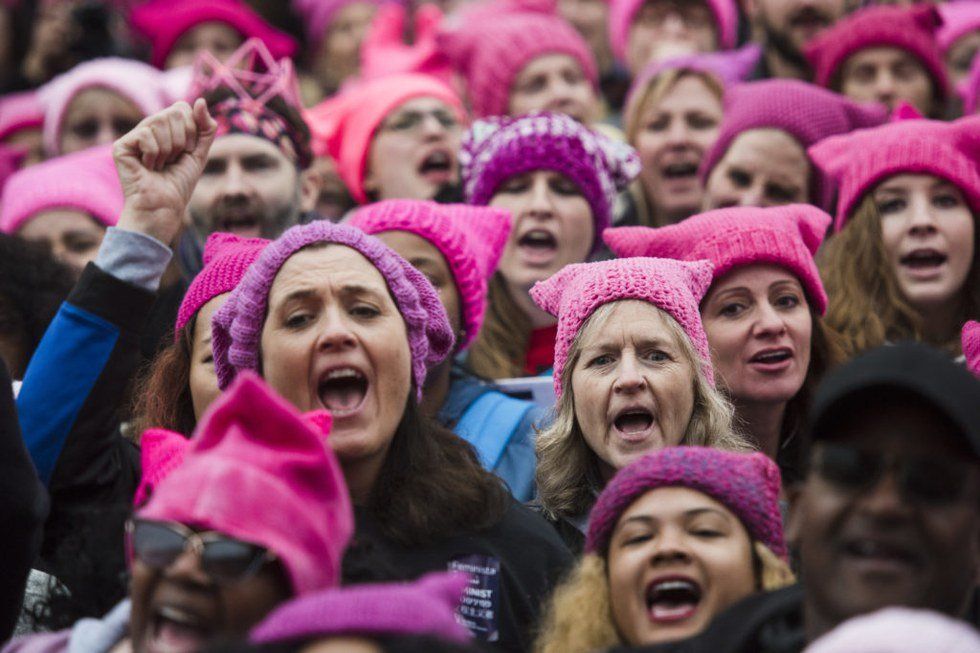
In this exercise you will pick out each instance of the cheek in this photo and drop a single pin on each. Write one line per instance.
(578, 229)
(649, 145)
(726, 340)
(589, 400)
(960, 231)
(705, 138)
(731, 569)
(674, 391)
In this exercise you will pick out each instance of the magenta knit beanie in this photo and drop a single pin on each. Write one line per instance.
(491, 53)
(899, 630)
(969, 89)
(804, 111)
(787, 236)
(495, 150)
(746, 483)
(911, 29)
(226, 258)
(857, 162)
(470, 238)
(622, 13)
(971, 346)
(20, 111)
(86, 181)
(959, 19)
(237, 326)
(676, 287)
(424, 607)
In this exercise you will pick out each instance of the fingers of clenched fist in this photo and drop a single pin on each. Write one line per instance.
(163, 138)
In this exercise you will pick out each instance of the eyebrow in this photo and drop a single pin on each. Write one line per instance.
(687, 514)
(647, 342)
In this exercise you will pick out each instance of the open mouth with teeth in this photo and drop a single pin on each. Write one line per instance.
(342, 390)
(634, 423)
(772, 356)
(880, 553)
(924, 259)
(672, 600)
(437, 165)
(538, 245)
(175, 631)
(686, 170)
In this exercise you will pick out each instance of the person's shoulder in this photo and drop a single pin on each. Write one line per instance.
(522, 529)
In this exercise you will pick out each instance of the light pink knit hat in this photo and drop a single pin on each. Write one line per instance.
(85, 180)
(959, 19)
(470, 238)
(899, 630)
(622, 13)
(573, 293)
(20, 111)
(971, 346)
(787, 236)
(859, 161)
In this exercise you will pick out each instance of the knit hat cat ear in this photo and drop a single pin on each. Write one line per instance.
(220, 241)
(813, 227)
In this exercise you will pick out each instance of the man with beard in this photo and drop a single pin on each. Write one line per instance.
(784, 27)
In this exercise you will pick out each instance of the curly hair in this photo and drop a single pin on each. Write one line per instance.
(163, 393)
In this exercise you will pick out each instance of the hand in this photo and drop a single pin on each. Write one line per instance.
(159, 163)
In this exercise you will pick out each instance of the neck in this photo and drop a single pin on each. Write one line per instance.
(763, 423)
(436, 388)
(360, 476)
(538, 317)
(941, 320)
(782, 68)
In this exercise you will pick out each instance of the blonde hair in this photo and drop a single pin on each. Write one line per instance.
(566, 463)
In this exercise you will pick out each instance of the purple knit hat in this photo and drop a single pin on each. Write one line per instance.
(622, 13)
(470, 238)
(20, 111)
(804, 111)
(746, 483)
(787, 236)
(422, 607)
(237, 326)
(497, 149)
(899, 630)
(971, 346)
(573, 293)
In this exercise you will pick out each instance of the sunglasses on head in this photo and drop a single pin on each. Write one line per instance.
(159, 544)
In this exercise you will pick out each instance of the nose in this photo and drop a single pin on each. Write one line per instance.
(922, 222)
(187, 567)
(629, 380)
(769, 323)
(336, 335)
(677, 133)
(670, 546)
(539, 203)
(883, 501)
(884, 86)
(432, 129)
(233, 180)
(752, 196)
(106, 134)
(674, 25)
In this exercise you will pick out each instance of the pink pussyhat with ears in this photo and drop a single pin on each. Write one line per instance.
(470, 238)
(20, 111)
(788, 236)
(576, 291)
(971, 346)
(622, 13)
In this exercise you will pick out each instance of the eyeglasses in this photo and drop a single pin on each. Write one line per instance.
(928, 480)
(228, 561)
(413, 121)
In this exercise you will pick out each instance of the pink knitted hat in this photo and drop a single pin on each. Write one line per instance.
(237, 326)
(226, 257)
(911, 29)
(859, 161)
(317, 15)
(85, 180)
(805, 112)
(344, 126)
(971, 346)
(622, 13)
(162, 22)
(959, 19)
(746, 483)
(384, 51)
(787, 236)
(969, 89)
(676, 287)
(137, 82)
(20, 111)
(899, 630)
(422, 607)
(470, 238)
(256, 470)
(161, 452)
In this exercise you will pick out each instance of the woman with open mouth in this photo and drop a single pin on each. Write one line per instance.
(559, 181)
(632, 375)
(671, 543)
(762, 313)
(903, 262)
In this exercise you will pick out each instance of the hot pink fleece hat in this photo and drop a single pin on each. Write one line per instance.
(344, 126)
(899, 630)
(226, 257)
(256, 470)
(137, 82)
(676, 287)
(787, 236)
(85, 180)
(804, 111)
(622, 13)
(162, 22)
(859, 161)
(971, 346)
(422, 607)
(959, 19)
(746, 483)
(20, 111)
(470, 238)
(911, 29)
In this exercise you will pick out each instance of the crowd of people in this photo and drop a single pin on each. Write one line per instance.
(557, 326)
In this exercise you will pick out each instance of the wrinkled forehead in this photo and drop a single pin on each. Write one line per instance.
(328, 268)
(244, 146)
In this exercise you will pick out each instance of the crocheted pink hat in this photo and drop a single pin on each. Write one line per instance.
(85, 180)
(470, 238)
(162, 22)
(787, 236)
(804, 111)
(256, 470)
(622, 13)
(237, 326)
(20, 111)
(859, 161)
(497, 149)
(971, 346)
(911, 29)
(746, 483)
(899, 630)
(676, 287)
(959, 19)
(969, 89)
(226, 257)
(344, 126)
(422, 607)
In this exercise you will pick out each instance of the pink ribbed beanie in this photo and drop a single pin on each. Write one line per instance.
(257, 471)
(899, 630)
(226, 258)
(470, 238)
(787, 236)
(86, 181)
(971, 346)
(911, 29)
(344, 126)
(20, 111)
(622, 13)
(959, 19)
(804, 111)
(576, 291)
(859, 161)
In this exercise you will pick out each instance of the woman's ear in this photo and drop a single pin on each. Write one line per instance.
(309, 189)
